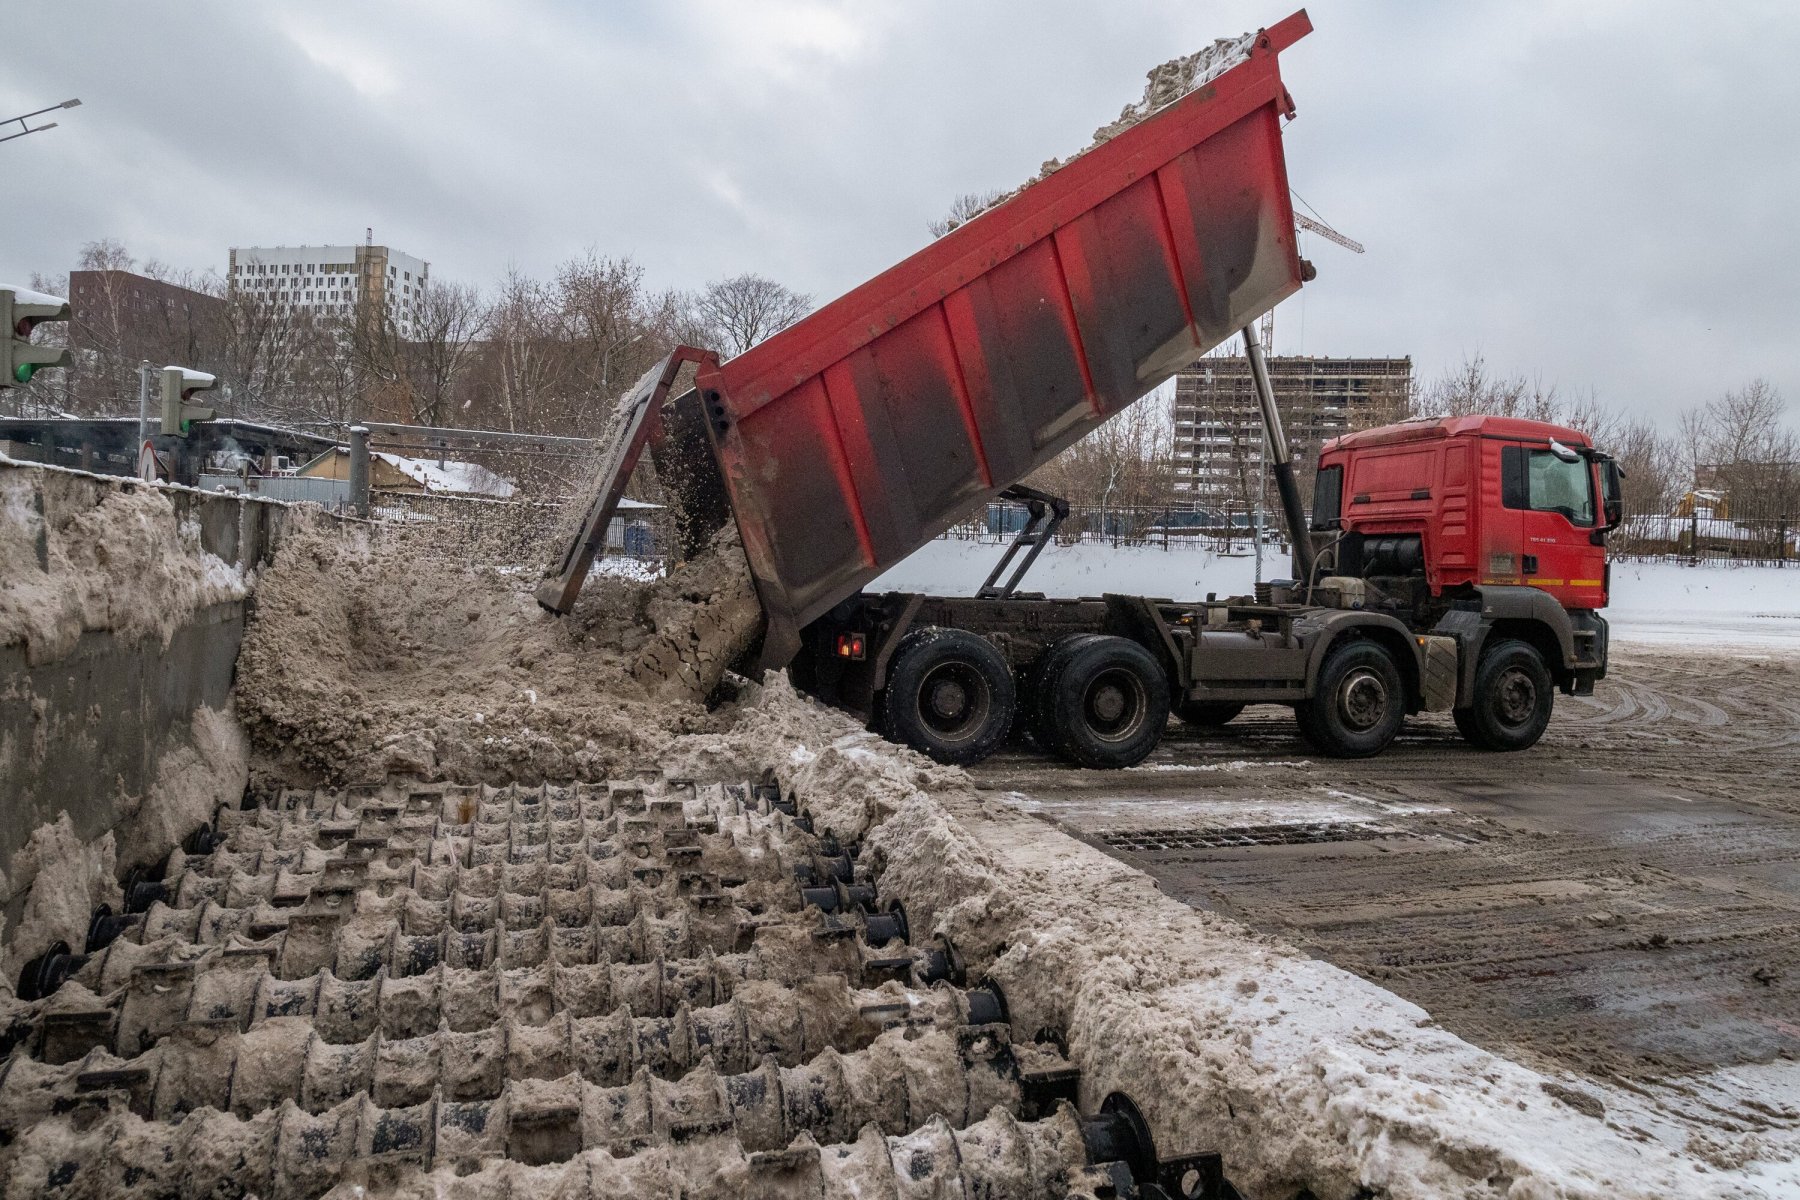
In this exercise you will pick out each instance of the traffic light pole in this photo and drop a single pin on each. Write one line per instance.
(143, 403)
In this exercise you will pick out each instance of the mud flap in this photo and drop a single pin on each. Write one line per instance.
(1437, 673)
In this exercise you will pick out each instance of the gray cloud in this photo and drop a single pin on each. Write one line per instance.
(1594, 194)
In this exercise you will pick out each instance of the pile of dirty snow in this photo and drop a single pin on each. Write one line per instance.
(365, 658)
(1302, 1074)
(79, 552)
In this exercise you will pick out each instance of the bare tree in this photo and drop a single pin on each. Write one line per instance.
(966, 208)
(1125, 469)
(450, 320)
(528, 357)
(607, 318)
(1741, 444)
(739, 312)
(264, 348)
(1472, 389)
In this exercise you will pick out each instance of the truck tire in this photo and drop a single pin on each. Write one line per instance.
(1208, 714)
(1035, 702)
(949, 695)
(1107, 702)
(1513, 697)
(1359, 704)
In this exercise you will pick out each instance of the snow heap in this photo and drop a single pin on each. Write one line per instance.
(81, 552)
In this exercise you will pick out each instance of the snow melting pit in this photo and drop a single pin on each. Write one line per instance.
(1285, 834)
(639, 987)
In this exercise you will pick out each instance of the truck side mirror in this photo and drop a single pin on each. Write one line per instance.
(1611, 494)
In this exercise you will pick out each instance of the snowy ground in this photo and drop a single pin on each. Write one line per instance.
(1651, 602)
(1669, 602)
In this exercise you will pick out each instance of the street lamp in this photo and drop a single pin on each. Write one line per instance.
(606, 358)
(25, 129)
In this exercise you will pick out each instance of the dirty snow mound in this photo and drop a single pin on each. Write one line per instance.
(79, 553)
(365, 659)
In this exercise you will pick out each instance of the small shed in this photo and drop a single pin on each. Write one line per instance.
(1704, 503)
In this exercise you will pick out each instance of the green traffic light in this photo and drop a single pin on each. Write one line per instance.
(24, 371)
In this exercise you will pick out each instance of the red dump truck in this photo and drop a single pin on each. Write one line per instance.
(1448, 566)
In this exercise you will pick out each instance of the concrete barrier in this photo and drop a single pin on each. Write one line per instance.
(122, 606)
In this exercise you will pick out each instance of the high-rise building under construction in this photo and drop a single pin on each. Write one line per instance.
(1218, 426)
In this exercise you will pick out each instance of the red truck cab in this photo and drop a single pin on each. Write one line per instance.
(1473, 502)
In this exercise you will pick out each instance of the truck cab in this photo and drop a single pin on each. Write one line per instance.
(1501, 517)
(1469, 502)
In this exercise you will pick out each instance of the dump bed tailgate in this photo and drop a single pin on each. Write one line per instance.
(854, 437)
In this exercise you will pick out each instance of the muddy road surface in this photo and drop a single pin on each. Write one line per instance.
(1622, 901)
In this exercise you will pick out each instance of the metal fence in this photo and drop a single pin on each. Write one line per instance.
(1694, 538)
(1161, 528)
(1690, 537)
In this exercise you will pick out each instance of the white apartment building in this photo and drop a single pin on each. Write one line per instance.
(333, 280)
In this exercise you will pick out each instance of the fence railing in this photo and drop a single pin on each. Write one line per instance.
(1130, 525)
(1767, 541)
(1764, 540)
(519, 530)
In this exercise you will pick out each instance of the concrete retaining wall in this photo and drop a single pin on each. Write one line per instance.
(124, 729)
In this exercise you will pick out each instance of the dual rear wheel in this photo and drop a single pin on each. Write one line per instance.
(1099, 700)
(1096, 700)
(949, 695)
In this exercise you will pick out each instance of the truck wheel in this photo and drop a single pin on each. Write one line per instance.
(949, 695)
(1108, 701)
(1359, 704)
(1036, 702)
(1208, 715)
(1513, 697)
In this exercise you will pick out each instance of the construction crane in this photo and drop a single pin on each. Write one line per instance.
(1265, 328)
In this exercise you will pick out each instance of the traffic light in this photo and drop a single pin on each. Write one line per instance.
(178, 384)
(21, 311)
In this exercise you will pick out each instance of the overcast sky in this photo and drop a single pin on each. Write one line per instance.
(1599, 194)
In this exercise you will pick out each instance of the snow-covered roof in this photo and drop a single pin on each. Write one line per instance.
(25, 295)
(471, 479)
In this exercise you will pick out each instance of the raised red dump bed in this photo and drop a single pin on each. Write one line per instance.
(852, 438)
